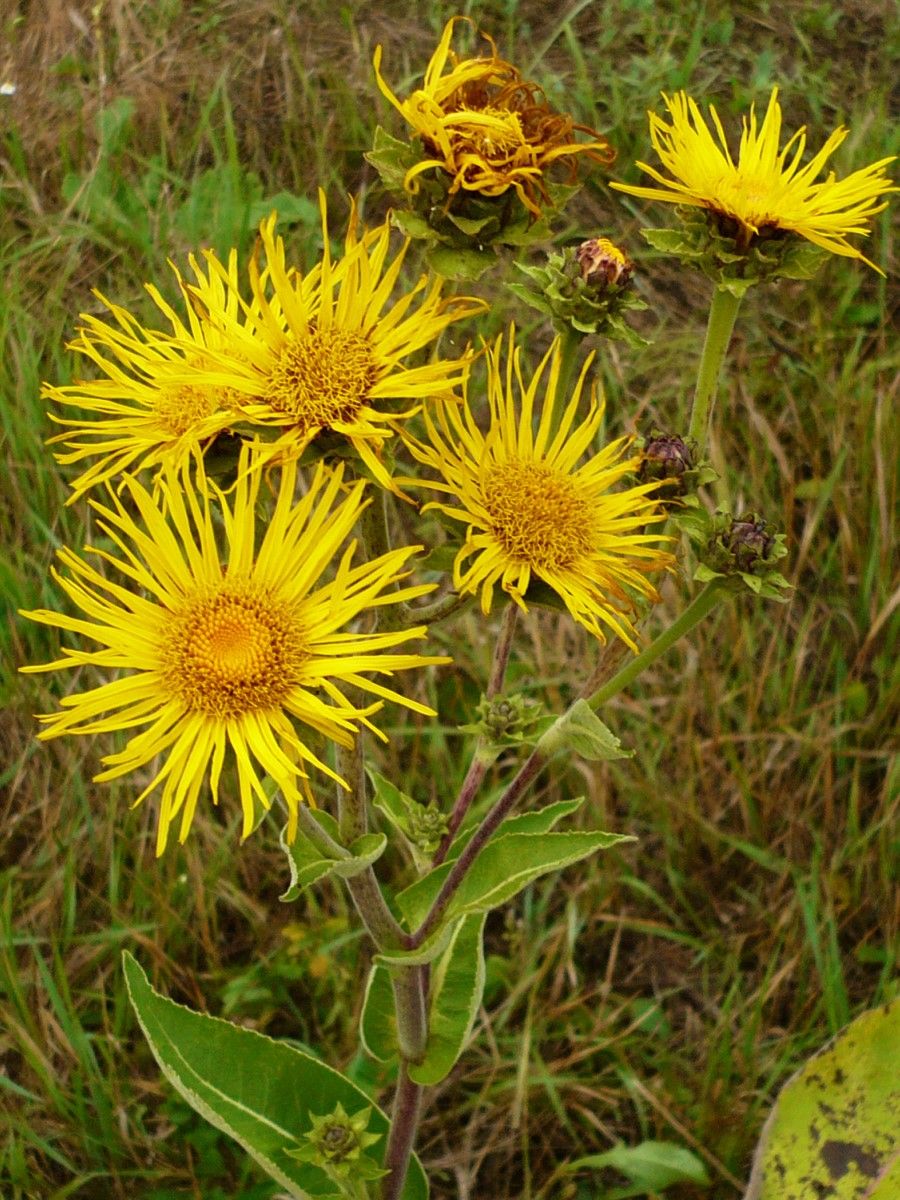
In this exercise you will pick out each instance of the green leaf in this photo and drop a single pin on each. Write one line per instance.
(504, 867)
(833, 1131)
(261, 1092)
(670, 241)
(415, 901)
(456, 990)
(412, 225)
(471, 226)
(461, 265)
(580, 731)
(378, 1023)
(391, 158)
(426, 953)
(650, 1166)
(309, 864)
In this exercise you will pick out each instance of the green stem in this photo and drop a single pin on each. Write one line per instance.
(570, 344)
(722, 314)
(371, 905)
(703, 603)
(438, 610)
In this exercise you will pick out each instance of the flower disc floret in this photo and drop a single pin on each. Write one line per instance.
(766, 189)
(538, 516)
(323, 379)
(233, 650)
(230, 640)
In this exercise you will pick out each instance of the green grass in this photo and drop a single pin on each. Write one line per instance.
(665, 991)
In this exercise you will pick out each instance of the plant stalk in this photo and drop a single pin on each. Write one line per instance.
(404, 1122)
(526, 773)
(722, 314)
(481, 761)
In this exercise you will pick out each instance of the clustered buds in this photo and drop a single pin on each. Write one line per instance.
(426, 826)
(584, 288)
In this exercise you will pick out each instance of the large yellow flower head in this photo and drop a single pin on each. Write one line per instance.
(326, 350)
(487, 127)
(230, 649)
(156, 404)
(767, 188)
(532, 512)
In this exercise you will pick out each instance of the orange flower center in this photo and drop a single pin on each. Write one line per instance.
(234, 651)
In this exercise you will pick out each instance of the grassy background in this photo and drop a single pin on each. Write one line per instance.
(668, 989)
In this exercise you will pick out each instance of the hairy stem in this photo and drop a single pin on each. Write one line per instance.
(722, 314)
(507, 802)
(404, 1121)
(703, 603)
(379, 921)
(480, 762)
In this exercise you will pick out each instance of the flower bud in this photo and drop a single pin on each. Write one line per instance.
(603, 264)
(748, 541)
(666, 456)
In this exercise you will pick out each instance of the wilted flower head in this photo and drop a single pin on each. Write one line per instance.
(766, 190)
(487, 128)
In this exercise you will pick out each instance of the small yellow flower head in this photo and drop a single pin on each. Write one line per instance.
(767, 189)
(532, 512)
(324, 351)
(487, 128)
(224, 652)
(602, 263)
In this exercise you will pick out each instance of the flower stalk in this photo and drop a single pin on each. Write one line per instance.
(722, 315)
(703, 604)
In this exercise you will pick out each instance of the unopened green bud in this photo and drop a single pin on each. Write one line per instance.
(336, 1143)
(584, 289)
(743, 550)
(505, 721)
(426, 826)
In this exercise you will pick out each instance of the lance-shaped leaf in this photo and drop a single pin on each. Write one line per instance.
(378, 1023)
(309, 863)
(834, 1132)
(456, 990)
(503, 868)
(261, 1092)
(416, 900)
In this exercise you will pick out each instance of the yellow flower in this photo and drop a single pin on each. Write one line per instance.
(325, 351)
(156, 404)
(487, 127)
(532, 511)
(233, 649)
(766, 189)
